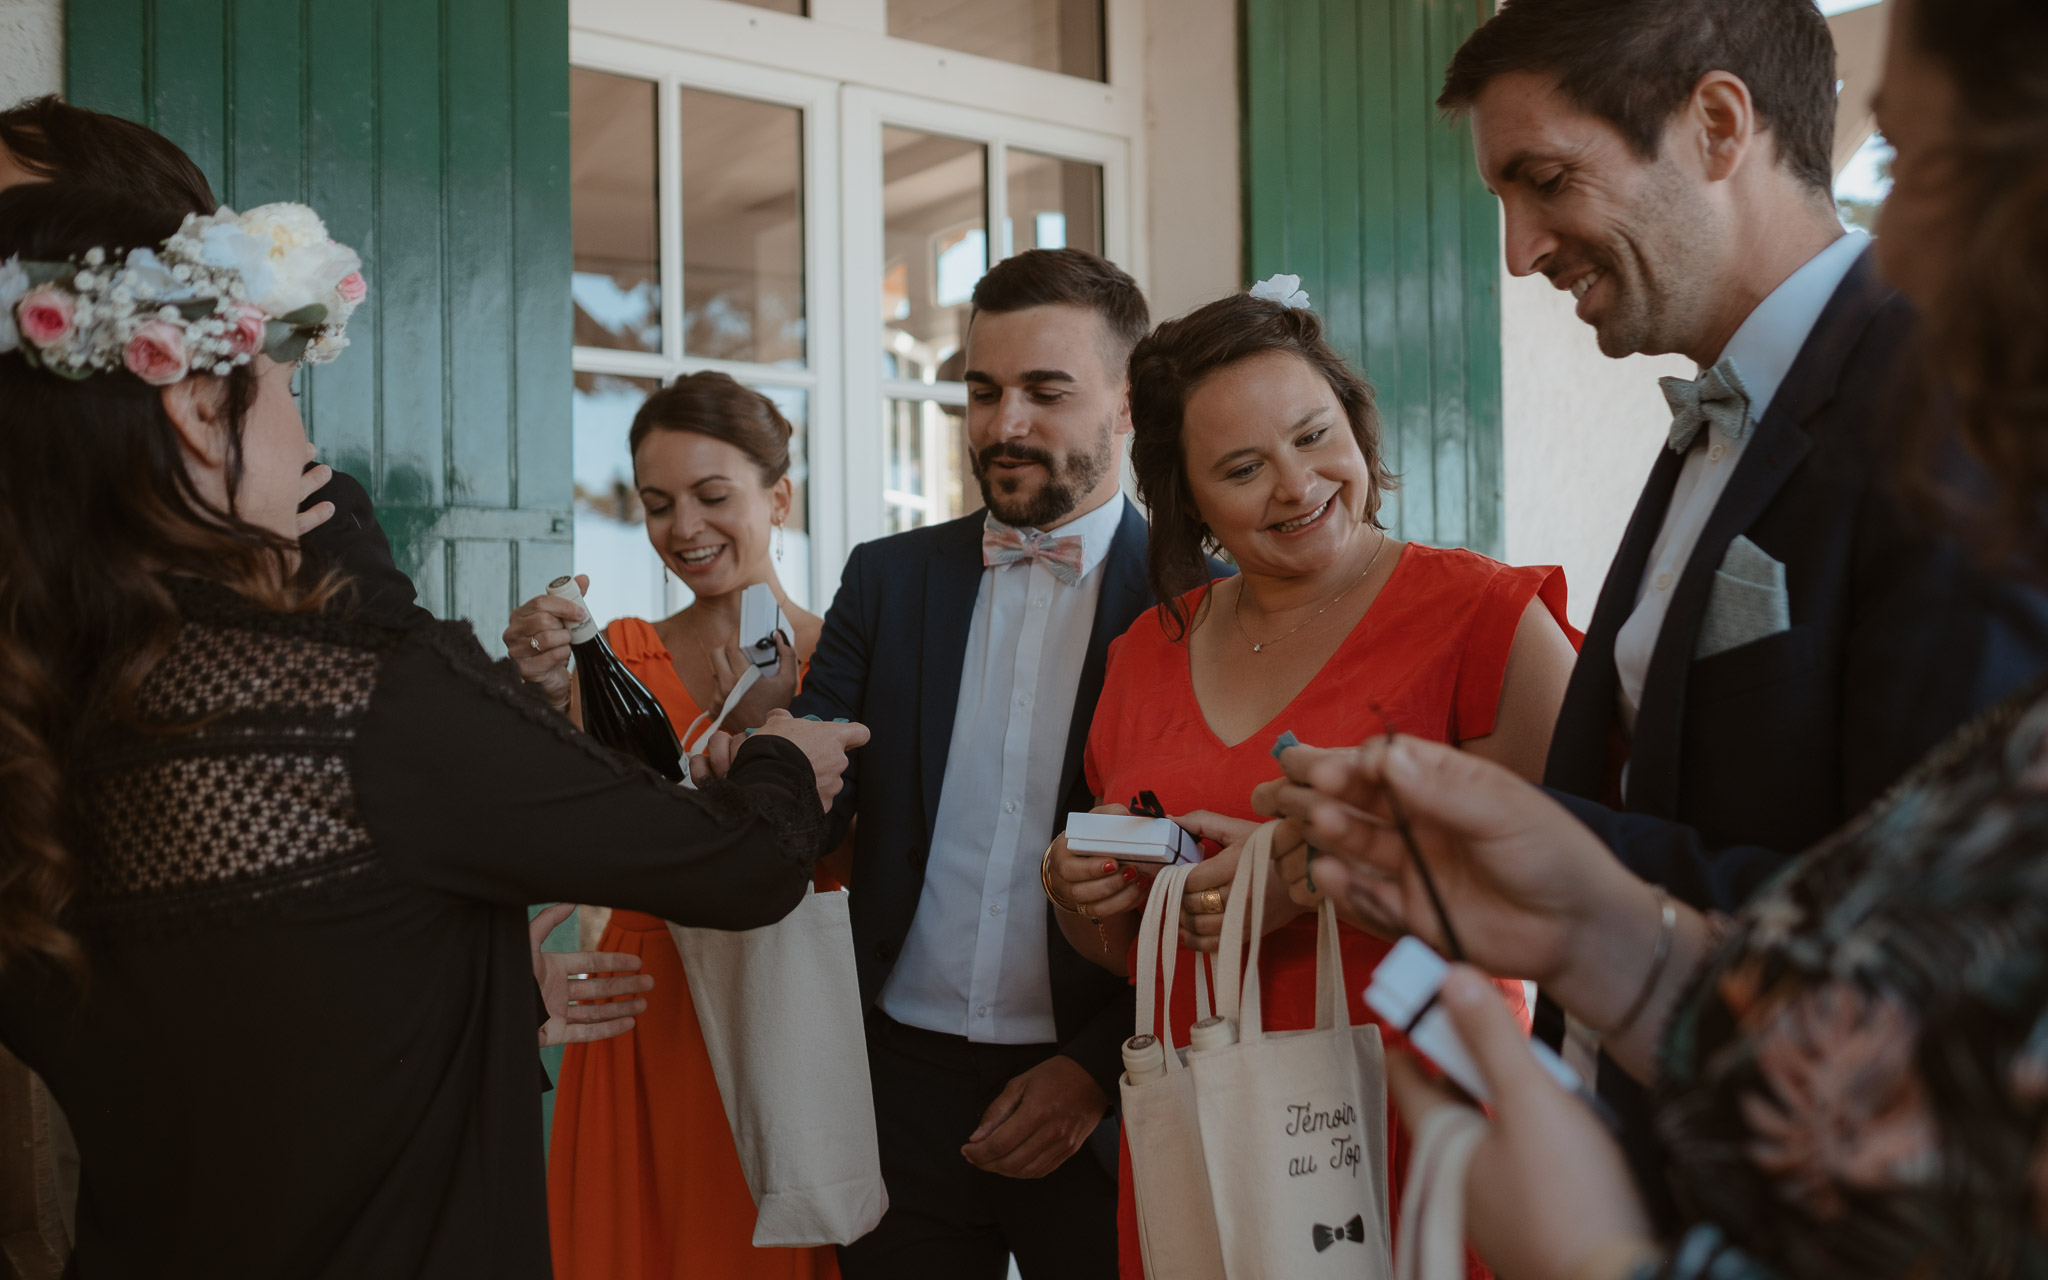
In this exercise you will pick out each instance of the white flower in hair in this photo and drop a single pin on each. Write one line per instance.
(13, 284)
(1285, 290)
(280, 251)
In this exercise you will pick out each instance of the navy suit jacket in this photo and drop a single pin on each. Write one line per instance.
(1743, 759)
(890, 656)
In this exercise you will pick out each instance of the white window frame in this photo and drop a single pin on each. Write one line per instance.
(848, 74)
(820, 378)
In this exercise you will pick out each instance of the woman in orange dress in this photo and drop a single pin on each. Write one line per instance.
(1254, 437)
(644, 1182)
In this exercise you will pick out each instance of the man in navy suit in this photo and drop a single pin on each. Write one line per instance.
(974, 653)
(1778, 638)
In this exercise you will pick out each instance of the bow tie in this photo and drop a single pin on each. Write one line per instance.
(1354, 1231)
(1716, 397)
(1001, 544)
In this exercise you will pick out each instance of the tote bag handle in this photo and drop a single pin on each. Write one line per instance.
(1158, 949)
(1237, 986)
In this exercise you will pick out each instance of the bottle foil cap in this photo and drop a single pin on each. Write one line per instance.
(565, 588)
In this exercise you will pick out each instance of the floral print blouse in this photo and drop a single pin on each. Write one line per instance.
(1856, 1082)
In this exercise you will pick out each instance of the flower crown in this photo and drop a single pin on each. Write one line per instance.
(225, 287)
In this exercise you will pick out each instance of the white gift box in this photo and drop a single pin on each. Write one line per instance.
(1132, 838)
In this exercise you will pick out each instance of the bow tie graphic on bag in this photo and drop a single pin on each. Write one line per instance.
(1354, 1231)
(1716, 398)
(1003, 544)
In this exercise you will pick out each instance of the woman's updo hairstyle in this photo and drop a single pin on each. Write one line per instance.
(1166, 367)
(714, 405)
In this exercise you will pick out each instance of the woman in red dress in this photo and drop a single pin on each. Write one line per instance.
(1253, 437)
(644, 1180)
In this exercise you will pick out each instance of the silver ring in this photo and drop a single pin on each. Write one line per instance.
(535, 642)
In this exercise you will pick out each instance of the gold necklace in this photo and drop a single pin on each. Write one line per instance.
(1237, 608)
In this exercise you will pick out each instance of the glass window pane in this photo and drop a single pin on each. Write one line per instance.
(1053, 203)
(611, 543)
(935, 249)
(1053, 35)
(617, 238)
(925, 474)
(743, 229)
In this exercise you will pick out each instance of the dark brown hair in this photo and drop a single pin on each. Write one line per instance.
(714, 405)
(1165, 370)
(1074, 278)
(1634, 63)
(96, 510)
(1987, 332)
(57, 141)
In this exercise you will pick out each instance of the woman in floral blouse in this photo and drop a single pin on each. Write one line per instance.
(1852, 1075)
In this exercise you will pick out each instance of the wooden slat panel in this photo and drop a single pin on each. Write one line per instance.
(483, 589)
(478, 235)
(413, 385)
(1354, 182)
(341, 181)
(188, 81)
(542, 382)
(265, 77)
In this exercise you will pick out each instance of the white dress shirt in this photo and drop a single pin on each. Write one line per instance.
(974, 963)
(1763, 350)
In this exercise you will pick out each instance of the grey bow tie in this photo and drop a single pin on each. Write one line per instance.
(1717, 397)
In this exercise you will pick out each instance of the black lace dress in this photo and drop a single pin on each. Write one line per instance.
(306, 1046)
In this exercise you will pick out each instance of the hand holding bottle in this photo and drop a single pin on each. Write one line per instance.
(537, 641)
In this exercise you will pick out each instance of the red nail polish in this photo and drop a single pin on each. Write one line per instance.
(1130, 874)
(1109, 868)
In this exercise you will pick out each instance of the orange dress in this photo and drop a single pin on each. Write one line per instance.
(643, 1180)
(1432, 652)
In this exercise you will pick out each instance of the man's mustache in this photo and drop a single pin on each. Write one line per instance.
(1009, 452)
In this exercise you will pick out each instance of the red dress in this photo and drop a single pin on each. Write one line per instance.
(644, 1181)
(1432, 652)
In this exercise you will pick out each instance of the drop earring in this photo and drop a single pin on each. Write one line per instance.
(778, 542)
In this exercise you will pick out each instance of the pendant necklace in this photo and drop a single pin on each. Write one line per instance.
(1259, 646)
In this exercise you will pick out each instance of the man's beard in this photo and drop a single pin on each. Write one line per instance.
(1067, 480)
(1660, 291)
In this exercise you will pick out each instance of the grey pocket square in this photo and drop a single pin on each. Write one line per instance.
(1748, 601)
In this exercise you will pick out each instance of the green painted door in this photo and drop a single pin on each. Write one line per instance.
(1354, 183)
(433, 136)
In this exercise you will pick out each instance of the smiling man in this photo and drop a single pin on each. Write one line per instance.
(974, 651)
(1777, 639)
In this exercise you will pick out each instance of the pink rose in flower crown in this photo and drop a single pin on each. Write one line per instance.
(245, 330)
(44, 315)
(352, 288)
(156, 354)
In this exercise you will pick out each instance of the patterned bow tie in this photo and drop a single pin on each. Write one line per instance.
(1001, 544)
(1717, 398)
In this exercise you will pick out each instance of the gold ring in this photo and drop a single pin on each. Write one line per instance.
(1208, 902)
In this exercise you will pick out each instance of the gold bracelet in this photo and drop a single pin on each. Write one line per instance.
(1068, 904)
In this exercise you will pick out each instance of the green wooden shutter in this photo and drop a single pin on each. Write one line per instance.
(433, 136)
(1354, 183)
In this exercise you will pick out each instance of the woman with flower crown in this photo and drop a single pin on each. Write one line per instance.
(213, 773)
(1253, 436)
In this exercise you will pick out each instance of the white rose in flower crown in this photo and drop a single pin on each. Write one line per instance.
(281, 252)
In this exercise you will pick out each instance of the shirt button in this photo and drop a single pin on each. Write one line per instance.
(1009, 806)
(981, 1011)
(995, 909)
(1663, 582)
(1039, 603)
(1717, 453)
(1023, 699)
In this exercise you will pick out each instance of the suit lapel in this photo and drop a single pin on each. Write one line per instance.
(952, 580)
(1123, 597)
(1579, 747)
(1780, 443)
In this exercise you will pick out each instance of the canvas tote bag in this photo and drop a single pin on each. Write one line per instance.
(781, 1014)
(1176, 1217)
(1293, 1123)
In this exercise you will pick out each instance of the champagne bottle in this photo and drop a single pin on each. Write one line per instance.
(617, 709)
